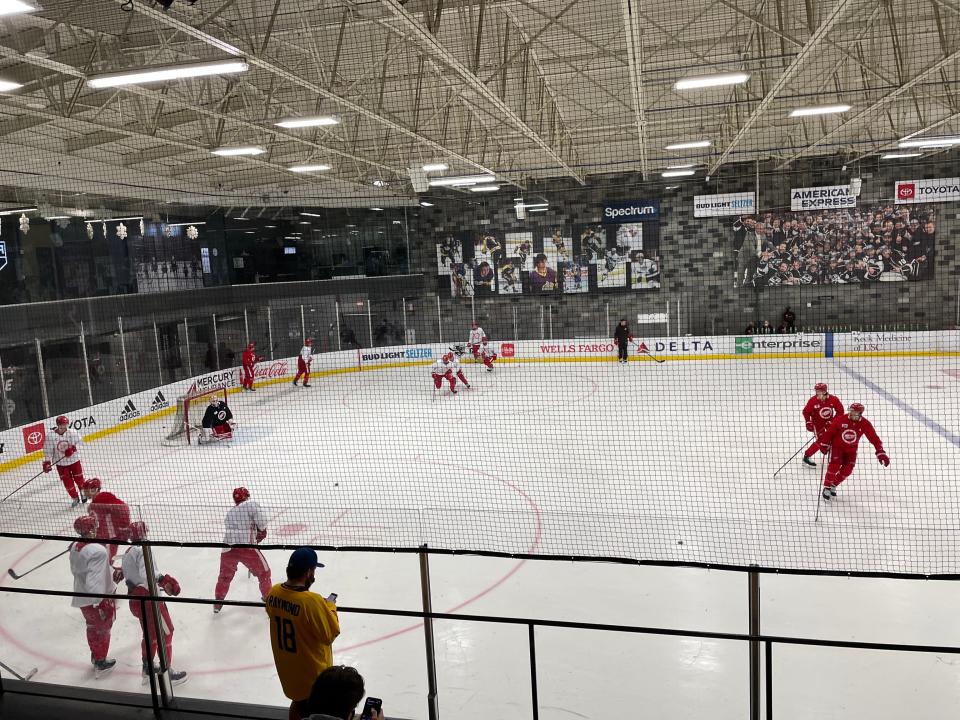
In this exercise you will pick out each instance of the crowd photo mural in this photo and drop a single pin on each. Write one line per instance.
(553, 259)
(878, 243)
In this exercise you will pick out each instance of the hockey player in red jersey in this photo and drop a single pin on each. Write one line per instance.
(217, 423)
(61, 448)
(841, 440)
(487, 354)
(303, 362)
(134, 573)
(245, 525)
(818, 413)
(476, 335)
(112, 514)
(249, 360)
(91, 571)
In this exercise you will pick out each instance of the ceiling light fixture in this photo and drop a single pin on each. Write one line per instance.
(380, 183)
(705, 81)
(680, 167)
(678, 173)
(456, 180)
(689, 145)
(931, 142)
(186, 224)
(531, 206)
(308, 168)
(58, 217)
(8, 85)
(898, 156)
(12, 7)
(435, 167)
(309, 122)
(484, 188)
(537, 209)
(377, 209)
(14, 211)
(424, 203)
(819, 110)
(172, 72)
(239, 150)
(671, 187)
(306, 214)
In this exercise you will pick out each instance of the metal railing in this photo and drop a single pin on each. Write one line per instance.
(759, 687)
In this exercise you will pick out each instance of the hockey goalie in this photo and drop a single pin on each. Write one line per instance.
(217, 424)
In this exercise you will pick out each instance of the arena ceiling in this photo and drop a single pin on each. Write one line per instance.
(524, 89)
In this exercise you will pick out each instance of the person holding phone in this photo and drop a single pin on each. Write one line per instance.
(303, 626)
(337, 692)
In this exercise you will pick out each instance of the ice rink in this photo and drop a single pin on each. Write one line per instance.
(669, 462)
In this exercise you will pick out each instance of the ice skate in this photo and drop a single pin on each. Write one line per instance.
(807, 460)
(103, 667)
(75, 503)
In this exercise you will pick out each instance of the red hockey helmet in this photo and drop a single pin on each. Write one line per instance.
(857, 408)
(93, 484)
(240, 494)
(85, 525)
(820, 387)
(138, 530)
(308, 341)
(473, 324)
(251, 345)
(448, 357)
(63, 420)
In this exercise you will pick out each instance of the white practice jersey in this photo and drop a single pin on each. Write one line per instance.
(242, 522)
(441, 367)
(476, 335)
(486, 350)
(134, 569)
(306, 352)
(454, 365)
(56, 445)
(92, 573)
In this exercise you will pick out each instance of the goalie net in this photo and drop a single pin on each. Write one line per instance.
(190, 409)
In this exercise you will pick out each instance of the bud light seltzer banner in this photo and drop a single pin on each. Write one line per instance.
(726, 204)
(917, 191)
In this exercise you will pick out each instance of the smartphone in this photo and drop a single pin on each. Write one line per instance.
(332, 597)
(371, 708)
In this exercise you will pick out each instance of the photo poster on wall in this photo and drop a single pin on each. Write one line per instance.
(836, 246)
(449, 251)
(617, 255)
(520, 245)
(461, 280)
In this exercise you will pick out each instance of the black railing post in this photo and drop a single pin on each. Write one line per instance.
(154, 699)
(153, 608)
(768, 669)
(432, 708)
(754, 609)
(532, 642)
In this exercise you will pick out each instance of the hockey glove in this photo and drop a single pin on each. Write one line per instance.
(47, 466)
(883, 458)
(117, 574)
(169, 585)
(809, 427)
(70, 451)
(261, 534)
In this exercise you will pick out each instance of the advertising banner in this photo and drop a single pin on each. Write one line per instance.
(918, 191)
(724, 204)
(825, 197)
(634, 211)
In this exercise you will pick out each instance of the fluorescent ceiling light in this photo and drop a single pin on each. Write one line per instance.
(898, 156)
(424, 203)
(304, 222)
(309, 122)
(380, 183)
(678, 173)
(272, 227)
(705, 81)
(306, 214)
(14, 211)
(184, 224)
(132, 217)
(239, 150)
(680, 167)
(172, 72)
(537, 205)
(484, 188)
(819, 110)
(308, 168)
(12, 7)
(671, 187)
(931, 142)
(8, 85)
(537, 209)
(462, 180)
(58, 217)
(377, 209)
(434, 167)
(689, 145)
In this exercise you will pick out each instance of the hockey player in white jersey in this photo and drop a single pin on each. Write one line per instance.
(90, 566)
(476, 337)
(487, 354)
(61, 449)
(303, 363)
(447, 368)
(134, 573)
(245, 524)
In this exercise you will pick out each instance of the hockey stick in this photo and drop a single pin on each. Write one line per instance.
(30, 480)
(823, 468)
(17, 576)
(791, 458)
(30, 673)
(655, 359)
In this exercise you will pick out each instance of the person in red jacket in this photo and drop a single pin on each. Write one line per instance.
(841, 440)
(818, 413)
(249, 359)
(112, 514)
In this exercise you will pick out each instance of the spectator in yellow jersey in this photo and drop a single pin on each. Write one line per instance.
(303, 626)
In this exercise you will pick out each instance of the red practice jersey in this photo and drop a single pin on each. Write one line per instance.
(844, 434)
(249, 358)
(822, 412)
(113, 516)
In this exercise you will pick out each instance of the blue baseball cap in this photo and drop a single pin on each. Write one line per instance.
(303, 559)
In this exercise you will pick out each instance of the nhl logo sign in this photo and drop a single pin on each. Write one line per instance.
(3, 255)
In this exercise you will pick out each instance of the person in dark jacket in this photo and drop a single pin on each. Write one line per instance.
(789, 318)
(622, 338)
